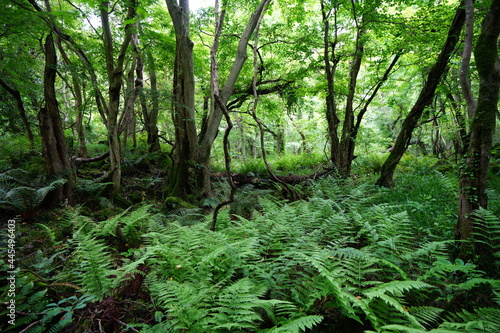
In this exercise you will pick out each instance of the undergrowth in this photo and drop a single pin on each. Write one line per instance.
(349, 258)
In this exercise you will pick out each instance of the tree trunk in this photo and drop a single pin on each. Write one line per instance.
(51, 130)
(216, 113)
(474, 176)
(464, 68)
(115, 82)
(331, 62)
(77, 93)
(346, 152)
(184, 150)
(424, 99)
(22, 112)
(152, 116)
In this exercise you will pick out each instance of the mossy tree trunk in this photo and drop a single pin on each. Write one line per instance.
(474, 174)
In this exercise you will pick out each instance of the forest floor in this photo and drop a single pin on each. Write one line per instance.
(347, 257)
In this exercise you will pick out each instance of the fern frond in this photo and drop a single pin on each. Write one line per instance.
(480, 321)
(298, 325)
(487, 229)
(186, 304)
(235, 307)
(397, 287)
(95, 266)
(427, 315)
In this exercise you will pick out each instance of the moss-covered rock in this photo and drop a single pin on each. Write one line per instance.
(172, 203)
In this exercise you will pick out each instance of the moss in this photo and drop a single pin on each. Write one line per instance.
(122, 202)
(106, 213)
(176, 203)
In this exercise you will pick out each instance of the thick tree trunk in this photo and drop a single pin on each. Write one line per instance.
(184, 150)
(474, 176)
(51, 130)
(424, 99)
(22, 112)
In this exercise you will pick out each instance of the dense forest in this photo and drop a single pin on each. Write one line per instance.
(250, 166)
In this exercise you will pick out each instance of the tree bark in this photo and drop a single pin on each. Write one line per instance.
(178, 181)
(151, 117)
(331, 62)
(474, 175)
(346, 151)
(51, 130)
(424, 99)
(464, 68)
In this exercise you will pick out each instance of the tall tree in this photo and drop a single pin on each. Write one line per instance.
(115, 70)
(150, 115)
(464, 68)
(424, 100)
(363, 17)
(51, 130)
(474, 175)
(182, 102)
(109, 109)
(78, 95)
(191, 166)
(216, 113)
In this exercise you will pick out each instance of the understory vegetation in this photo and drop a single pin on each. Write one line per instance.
(348, 257)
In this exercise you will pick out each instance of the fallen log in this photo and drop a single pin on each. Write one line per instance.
(79, 160)
(260, 182)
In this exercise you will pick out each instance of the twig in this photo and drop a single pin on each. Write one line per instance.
(30, 326)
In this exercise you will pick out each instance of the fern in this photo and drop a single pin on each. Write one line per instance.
(487, 230)
(24, 194)
(483, 320)
(235, 307)
(335, 258)
(186, 304)
(298, 325)
(95, 269)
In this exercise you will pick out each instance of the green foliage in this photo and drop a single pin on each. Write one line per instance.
(487, 231)
(17, 153)
(348, 254)
(94, 268)
(23, 193)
